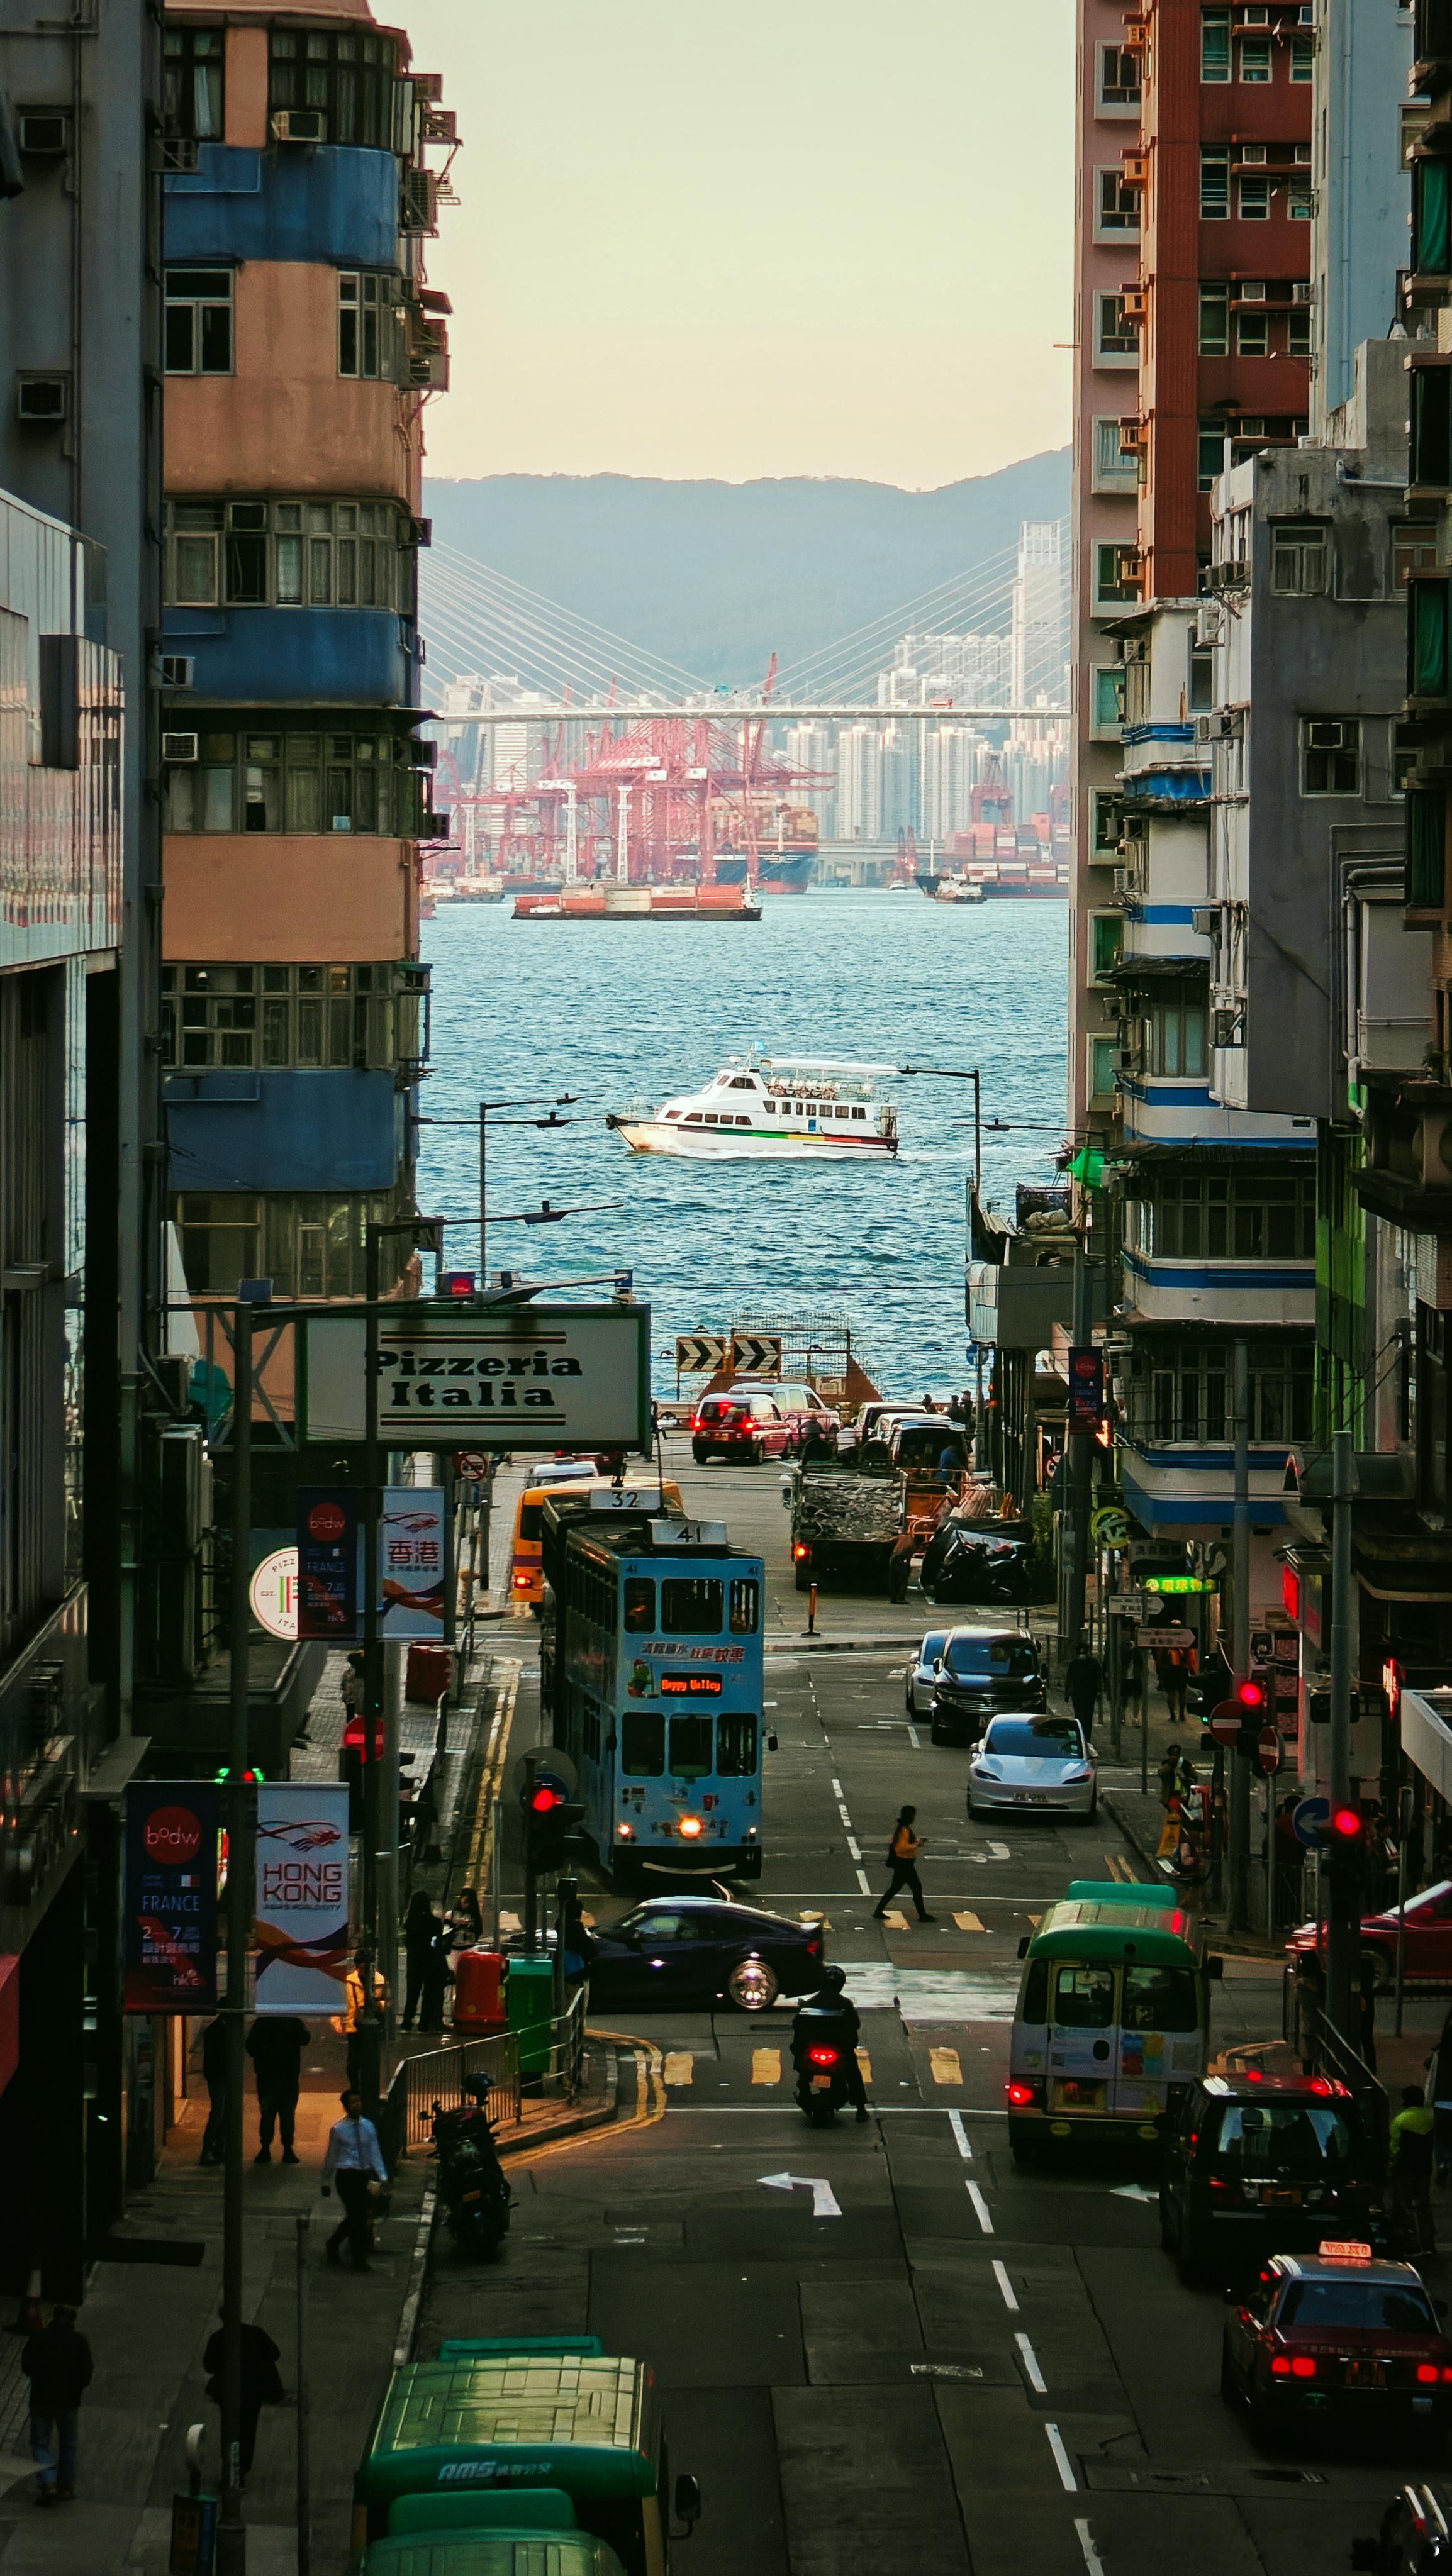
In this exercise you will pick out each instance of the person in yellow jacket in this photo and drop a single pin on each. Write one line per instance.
(355, 1991)
(902, 1860)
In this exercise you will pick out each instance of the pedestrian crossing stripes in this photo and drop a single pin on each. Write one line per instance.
(766, 2066)
(968, 1923)
(944, 2066)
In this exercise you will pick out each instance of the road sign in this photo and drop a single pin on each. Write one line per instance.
(1225, 1721)
(1167, 1634)
(507, 1377)
(700, 1354)
(755, 1355)
(1309, 1820)
(1111, 1525)
(273, 1593)
(472, 1464)
(1125, 1605)
(1268, 1748)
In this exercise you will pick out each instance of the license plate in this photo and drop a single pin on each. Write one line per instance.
(1287, 2199)
(1035, 1798)
(821, 2083)
(1072, 2093)
(467, 2196)
(1366, 2374)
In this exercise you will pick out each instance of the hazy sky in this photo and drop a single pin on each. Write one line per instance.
(774, 237)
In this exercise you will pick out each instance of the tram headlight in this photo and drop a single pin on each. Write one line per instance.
(625, 1833)
(692, 1828)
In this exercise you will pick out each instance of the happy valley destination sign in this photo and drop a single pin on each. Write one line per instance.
(551, 1377)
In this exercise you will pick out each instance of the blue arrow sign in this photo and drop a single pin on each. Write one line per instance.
(1308, 1819)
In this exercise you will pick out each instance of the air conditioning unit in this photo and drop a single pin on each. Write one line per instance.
(180, 746)
(1303, 156)
(300, 125)
(1126, 885)
(1212, 728)
(1204, 919)
(1135, 301)
(42, 133)
(1227, 1027)
(42, 400)
(1301, 290)
(1252, 154)
(1252, 290)
(1209, 625)
(1255, 16)
(1136, 169)
(176, 670)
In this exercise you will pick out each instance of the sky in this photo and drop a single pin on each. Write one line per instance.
(826, 237)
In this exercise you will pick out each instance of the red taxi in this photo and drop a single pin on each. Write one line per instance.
(750, 1426)
(1337, 2333)
(1429, 1939)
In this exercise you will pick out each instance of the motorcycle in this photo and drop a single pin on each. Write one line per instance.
(476, 2197)
(821, 2063)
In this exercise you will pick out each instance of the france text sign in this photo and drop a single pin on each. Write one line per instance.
(171, 1896)
(327, 1564)
(302, 1896)
(518, 1377)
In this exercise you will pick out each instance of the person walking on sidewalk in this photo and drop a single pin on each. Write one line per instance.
(422, 1934)
(275, 2048)
(902, 1860)
(261, 2383)
(214, 2076)
(355, 1990)
(57, 2362)
(1083, 1682)
(354, 2161)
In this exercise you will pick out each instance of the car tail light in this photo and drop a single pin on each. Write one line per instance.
(1019, 2094)
(1428, 2374)
(814, 1946)
(522, 1581)
(1302, 2366)
(801, 1549)
(691, 1827)
(828, 2057)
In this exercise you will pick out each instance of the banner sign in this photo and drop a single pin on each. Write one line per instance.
(274, 1593)
(327, 1564)
(1085, 1409)
(303, 1947)
(515, 1377)
(411, 1563)
(170, 1936)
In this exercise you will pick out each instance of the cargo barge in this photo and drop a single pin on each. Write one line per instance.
(638, 903)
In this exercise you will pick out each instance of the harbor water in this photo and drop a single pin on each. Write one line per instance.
(629, 1012)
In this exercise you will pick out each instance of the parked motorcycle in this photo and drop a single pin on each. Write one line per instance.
(476, 2197)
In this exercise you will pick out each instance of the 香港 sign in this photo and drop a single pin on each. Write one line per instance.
(170, 1936)
(519, 1377)
(411, 1563)
(302, 1896)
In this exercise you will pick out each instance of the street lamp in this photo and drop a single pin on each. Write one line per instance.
(959, 1073)
(559, 1100)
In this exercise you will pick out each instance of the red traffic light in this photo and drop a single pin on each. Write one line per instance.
(544, 1800)
(1250, 1694)
(1345, 1824)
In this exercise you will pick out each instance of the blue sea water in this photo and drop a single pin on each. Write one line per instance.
(627, 1011)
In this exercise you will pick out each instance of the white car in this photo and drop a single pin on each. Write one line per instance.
(1028, 1762)
(921, 1673)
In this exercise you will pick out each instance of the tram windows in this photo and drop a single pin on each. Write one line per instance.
(690, 1606)
(642, 1744)
(736, 1746)
(745, 1605)
(690, 1748)
(639, 1603)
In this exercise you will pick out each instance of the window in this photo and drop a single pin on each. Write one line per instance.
(1214, 321)
(1215, 45)
(1427, 672)
(1117, 210)
(1253, 200)
(1106, 933)
(690, 1606)
(692, 1747)
(1432, 217)
(1108, 825)
(309, 1245)
(366, 301)
(286, 781)
(1083, 1998)
(1116, 575)
(1159, 1999)
(1102, 1054)
(1299, 342)
(745, 1605)
(1201, 693)
(639, 1604)
(1426, 848)
(1116, 467)
(349, 77)
(1177, 1035)
(736, 1747)
(351, 1018)
(1116, 339)
(1300, 200)
(1230, 1215)
(291, 554)
(642, 1744)
(198, 321)
(1255, 59)
(1431, 426)
(1330, 755)
(1108, 703)
(1414, 549)
(1252, 335)
(1118, 79)
(1209, 453)
(1303, 58)
(191, 83)
(1299, 557)
(1184, 1393)
(1214, 182)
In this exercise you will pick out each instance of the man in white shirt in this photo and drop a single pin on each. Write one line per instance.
(354, 2160)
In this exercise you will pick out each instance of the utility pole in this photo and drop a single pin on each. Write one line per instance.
(370, 2032)
(1343, 1926)
(1237, 1907)
(231, 2530)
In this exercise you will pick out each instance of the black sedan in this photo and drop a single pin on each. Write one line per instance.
(678, 1949)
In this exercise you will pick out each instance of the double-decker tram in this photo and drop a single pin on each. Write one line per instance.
(651, 1671)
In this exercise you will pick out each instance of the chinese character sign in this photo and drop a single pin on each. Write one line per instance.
(412, 1563)
(1085, 1408)
(327, 1564)
(302, 1896)
(171, 1897)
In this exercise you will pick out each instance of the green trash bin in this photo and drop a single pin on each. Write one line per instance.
(530, 1995)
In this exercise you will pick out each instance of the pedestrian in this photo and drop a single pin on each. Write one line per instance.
(353, 2013)
(1409, 2171)
(214, 2076)
(422, 1932)
(1083, 1682)
(468, 1921)
(902, 1860)
(900, 1565)
(275, 2044)
(435, 1979)
(57, 2362)
(351, 1688)
(261, 2382)
(354, 2160)
(1172, 1670)
(1439, 2070)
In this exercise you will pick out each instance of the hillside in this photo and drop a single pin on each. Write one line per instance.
(717, 576)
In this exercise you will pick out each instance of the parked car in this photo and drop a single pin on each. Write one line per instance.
(750, 1427)
(807, 1412)
(673, 1950)
(1255, 2164)
(1428, 1941)
(984, 1673)
(919, 1442)
(978, 1561)
(921, 1671)
(1037, 1764)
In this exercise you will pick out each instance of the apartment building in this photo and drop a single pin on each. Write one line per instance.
(301, 344)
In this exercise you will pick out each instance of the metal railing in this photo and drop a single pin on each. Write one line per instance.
(1322, 2050)
(507, 2065)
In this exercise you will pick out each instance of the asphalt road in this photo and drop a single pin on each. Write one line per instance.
(968, 2367)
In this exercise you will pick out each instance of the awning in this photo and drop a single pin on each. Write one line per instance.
(1427, 1737)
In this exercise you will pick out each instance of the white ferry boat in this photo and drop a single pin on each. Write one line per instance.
(772, 1109)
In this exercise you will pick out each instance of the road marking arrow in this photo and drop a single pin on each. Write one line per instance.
(1133, 2191)
(824, 2198)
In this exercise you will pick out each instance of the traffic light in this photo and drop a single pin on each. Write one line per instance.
(1344, 1842)
(1250, 1698)
(550, 1818)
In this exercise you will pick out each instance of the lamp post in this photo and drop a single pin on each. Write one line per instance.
(231, 2530)
(560, 1100)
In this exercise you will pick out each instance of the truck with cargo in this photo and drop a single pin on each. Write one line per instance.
(845, 1526)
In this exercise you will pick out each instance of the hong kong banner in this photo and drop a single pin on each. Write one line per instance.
(171, 1896)
(302, 1896)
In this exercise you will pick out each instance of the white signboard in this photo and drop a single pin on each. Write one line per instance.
(274, 1593)
(518, 1377)
(411, 1563)
(302, 1896)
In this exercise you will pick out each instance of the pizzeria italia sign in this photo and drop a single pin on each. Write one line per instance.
(519, 1377)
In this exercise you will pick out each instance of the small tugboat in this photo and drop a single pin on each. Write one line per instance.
(953, 888)
(771, 1109)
